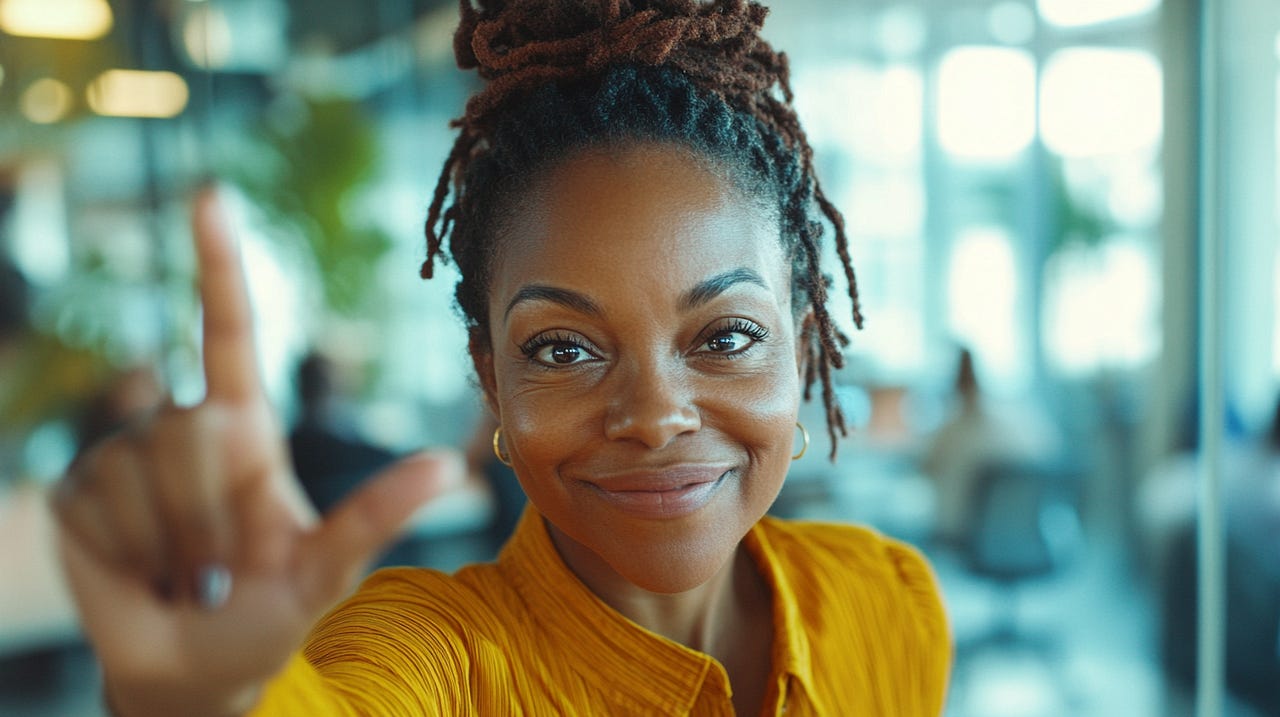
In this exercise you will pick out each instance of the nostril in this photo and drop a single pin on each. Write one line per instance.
(653, 429)
(652, 405)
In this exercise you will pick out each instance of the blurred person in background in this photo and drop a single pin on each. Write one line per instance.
(329, 458)
(977, 435)
(634, 217)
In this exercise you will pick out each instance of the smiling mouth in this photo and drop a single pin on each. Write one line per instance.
(670, 499)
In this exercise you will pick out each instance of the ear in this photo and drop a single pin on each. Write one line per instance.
(482, 360)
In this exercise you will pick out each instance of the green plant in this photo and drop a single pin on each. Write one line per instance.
(307, 175)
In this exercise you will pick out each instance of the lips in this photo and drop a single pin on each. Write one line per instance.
(660, 494)
(659, 480)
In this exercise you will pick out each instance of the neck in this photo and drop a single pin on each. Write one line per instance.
(702, 618)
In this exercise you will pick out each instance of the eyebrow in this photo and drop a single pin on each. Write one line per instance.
(709, 289)
(700, 294)
(564, 297)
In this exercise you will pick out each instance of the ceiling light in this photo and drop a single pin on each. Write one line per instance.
(138, 93)
(57, 19)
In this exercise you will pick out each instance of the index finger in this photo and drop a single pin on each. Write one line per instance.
(230, 360)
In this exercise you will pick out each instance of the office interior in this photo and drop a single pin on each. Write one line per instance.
(1063, 214)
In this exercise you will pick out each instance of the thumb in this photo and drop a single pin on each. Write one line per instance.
(371, 517)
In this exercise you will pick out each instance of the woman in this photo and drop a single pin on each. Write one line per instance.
(632, 215)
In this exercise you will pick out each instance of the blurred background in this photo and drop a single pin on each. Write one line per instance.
(1024, 186)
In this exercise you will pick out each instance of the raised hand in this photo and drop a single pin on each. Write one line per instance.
(195, 561)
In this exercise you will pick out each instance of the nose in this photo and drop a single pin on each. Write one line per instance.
(653, 403)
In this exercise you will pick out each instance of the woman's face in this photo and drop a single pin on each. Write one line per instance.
(644, 362)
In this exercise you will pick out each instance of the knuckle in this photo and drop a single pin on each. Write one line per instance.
(170, 427)
(197, 522)
(195, 531)
(143, 556)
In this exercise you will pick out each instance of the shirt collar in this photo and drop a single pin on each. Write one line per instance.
(790, 639)
(662, 675)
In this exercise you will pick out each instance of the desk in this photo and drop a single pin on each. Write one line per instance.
(36, 609)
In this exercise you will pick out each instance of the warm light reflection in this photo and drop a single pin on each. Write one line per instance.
(138, 93)
(57, 19)
(986, 102)
(1077, 13)
(46, 101)
(1096, 101)
(206, 34)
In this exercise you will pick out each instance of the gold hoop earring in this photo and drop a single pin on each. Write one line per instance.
(804, 435)
(497, 436)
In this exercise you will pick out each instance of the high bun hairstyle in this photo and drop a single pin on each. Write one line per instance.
(562, 76)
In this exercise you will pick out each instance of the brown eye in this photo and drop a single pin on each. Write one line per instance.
(565, 354)
(726, 342)
(562, 354)
(729, 342)
(733, 338)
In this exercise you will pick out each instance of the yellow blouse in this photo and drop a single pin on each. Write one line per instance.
(858, 624)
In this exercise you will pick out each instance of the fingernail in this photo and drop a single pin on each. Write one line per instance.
(213, 586)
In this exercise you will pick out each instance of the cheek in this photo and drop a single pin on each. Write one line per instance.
(769, 409)
(543, 425)
(768, 398)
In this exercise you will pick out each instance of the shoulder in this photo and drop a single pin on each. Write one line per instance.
(861, 552)
(415, 611)
(409, 641)
(867, 604)
(887, 578)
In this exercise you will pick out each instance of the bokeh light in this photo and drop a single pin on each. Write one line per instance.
(986, 102)
(1101, 101)
(56, 19)
(46, 101)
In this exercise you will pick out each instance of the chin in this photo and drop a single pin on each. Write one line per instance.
(665, 560)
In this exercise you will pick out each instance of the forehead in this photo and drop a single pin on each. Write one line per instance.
(650, 217)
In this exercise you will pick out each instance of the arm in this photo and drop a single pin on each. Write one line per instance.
(196, 565)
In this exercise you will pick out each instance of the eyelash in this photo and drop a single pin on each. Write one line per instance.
(530, 347)
(754, 331)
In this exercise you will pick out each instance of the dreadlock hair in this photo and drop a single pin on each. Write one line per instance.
(563, 76)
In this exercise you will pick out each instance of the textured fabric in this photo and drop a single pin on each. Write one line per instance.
(858, 625)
